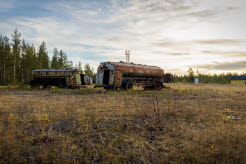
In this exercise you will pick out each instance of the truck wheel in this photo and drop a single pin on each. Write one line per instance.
(45, 84)
(33, 84)
(158, 86)
(129, 85)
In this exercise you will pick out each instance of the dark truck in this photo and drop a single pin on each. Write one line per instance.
(121, 75)
(168, 78)
(63, 78)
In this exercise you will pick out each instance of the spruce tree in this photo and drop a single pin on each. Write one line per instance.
(42, 57)
(30, 59)
(54, 60)
(62, 60)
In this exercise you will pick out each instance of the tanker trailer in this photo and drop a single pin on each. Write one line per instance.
(121, 75)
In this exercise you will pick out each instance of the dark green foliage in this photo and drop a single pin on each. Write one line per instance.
(16, 47)
(62, 60)
(59, 60)
(54, 60)
(88, 70)
(28, 61)
(5, 62)
(43, 58)
(218, 79)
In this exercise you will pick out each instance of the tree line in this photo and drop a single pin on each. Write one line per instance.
(223, 78)
(18, 58)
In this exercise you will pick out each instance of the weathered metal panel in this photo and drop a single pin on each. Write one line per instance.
(99, 78)
(118, 79)
(238, 82)
(68, 81)
(196, 80)
(238, 78)
(54, 72)
(111, 77)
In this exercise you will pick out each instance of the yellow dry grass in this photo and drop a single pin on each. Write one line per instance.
(184, 124)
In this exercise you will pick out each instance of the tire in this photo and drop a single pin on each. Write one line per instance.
(33, 84)
(45, 84)
(158, 86)
(128, 85)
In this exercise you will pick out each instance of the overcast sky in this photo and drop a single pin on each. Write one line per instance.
(209, 35)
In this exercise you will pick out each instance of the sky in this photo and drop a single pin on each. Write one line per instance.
(208, 35)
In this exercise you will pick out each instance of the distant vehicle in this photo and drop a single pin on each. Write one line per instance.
(63, 78)
(168, 78)
(121, 75)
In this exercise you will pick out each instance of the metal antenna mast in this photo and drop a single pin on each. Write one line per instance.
(127, 56)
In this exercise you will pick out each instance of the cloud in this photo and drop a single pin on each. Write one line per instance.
(228, 66)
(169, 33)
(220, 41)
(175, 43)
(175, 53)
(202, 13)
(226, 53)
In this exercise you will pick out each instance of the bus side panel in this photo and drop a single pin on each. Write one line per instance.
(78, 79)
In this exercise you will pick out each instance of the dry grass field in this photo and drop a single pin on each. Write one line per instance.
(187, 123)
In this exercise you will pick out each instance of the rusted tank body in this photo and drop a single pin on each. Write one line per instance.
(136, 70)
(123, 75)
(71, 78)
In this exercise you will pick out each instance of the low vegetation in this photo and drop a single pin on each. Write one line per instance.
(187, 123)
(222, 78)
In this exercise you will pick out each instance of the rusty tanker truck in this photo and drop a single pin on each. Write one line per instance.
(63, 78)
(121, 75)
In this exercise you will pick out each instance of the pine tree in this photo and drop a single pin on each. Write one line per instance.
(88, 70)
(23, 61)
(80, 66)
(31, 61)
(54, 60)
(197, 73)
(1, 59)
(191, 74)
(62, 60)
(16, 53)
(28, 61)
(70, 64)
(6, 59)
